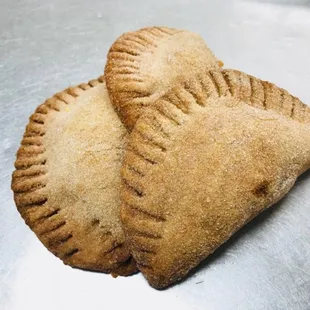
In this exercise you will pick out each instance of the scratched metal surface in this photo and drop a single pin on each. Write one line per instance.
(47, 45)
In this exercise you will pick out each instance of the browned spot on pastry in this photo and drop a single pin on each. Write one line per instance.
(95, 222)
(262, 189)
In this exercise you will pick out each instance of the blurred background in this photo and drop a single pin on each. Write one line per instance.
(46, 46)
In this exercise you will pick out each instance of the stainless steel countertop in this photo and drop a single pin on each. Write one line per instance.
(47, 45)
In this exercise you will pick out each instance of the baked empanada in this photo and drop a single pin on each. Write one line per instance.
(67, 179)
(143, 65)
(202, 162)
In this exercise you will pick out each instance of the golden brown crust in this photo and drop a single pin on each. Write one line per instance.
(51, 187)
(143, 65)
(207, 158)
(125, 269)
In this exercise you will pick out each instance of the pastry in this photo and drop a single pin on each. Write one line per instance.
(143, 65)
(202, 162)
(67, 179)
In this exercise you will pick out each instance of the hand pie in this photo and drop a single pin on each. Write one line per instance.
(67, 178)
(208, 157)
(143, 65)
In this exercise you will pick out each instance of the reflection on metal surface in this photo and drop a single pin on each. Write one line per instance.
(45, 46)
(285, 2)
